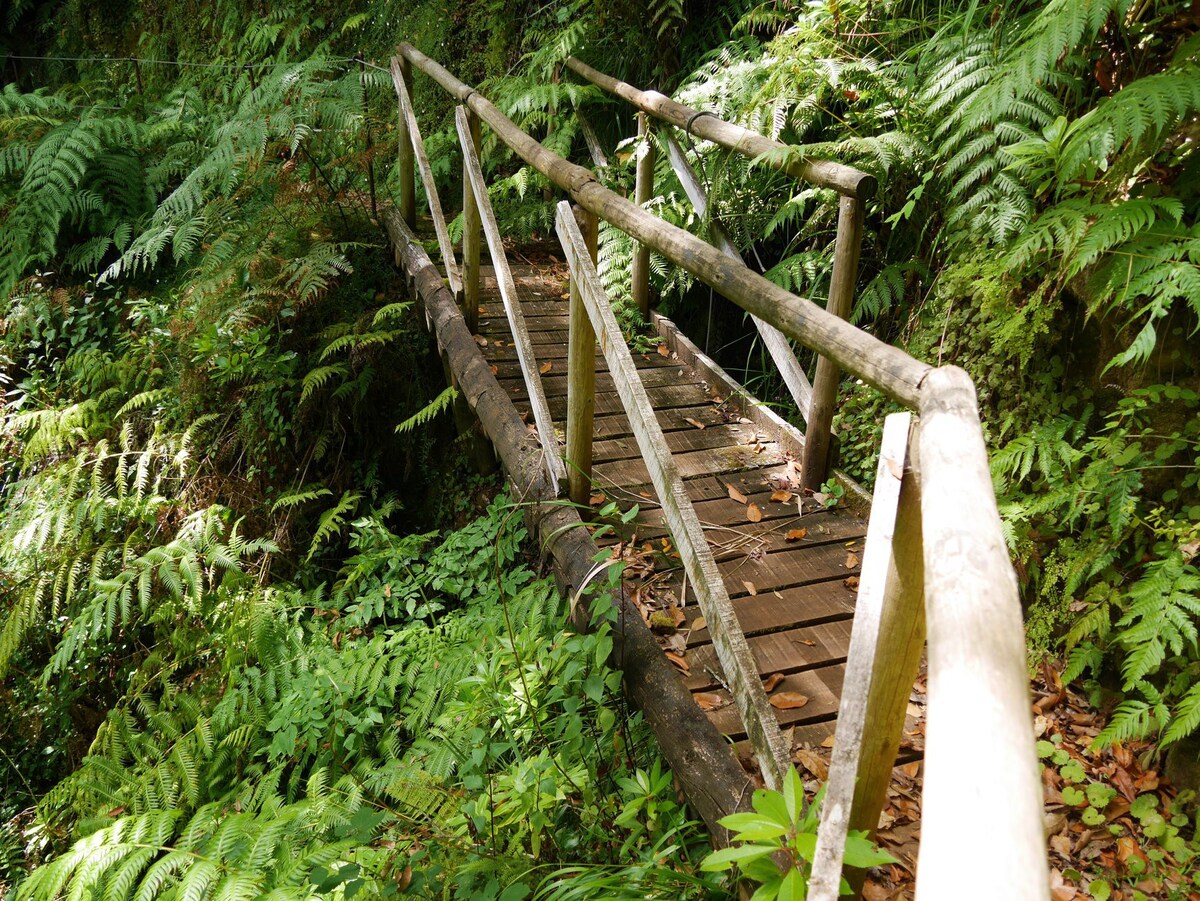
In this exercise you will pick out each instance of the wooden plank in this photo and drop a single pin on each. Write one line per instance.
(887, 368)
(751, 144)
(728, 640)
(720, 435)
(508, 293)
(555, 383)
(643, 190)
(822, 687)
(581, 367)
(818, 435)
(773, 339)
(791, 651)
(791, 607)
(787, 569)
(431, 195)
(882, 661)
(617, 425)
(978, 683)
(693, 463)
(662, 398)
(595, 149)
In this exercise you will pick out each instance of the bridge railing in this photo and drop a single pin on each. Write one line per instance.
(936, 573)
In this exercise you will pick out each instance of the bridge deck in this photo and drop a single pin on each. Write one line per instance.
(787, 561)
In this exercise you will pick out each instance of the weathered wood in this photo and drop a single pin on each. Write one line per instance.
(841, 178)
(431, 195)
(581, 379)
(979, 745)
(595, 148)
(846, 250)
(643, 190)
(773, 339)
(712, 779)
(728, 640)
(405, 162)
(486, 217)
(471, 226)
(882, 663)
(887, 368)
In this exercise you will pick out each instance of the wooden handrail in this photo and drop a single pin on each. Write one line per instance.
(477, 188)
(888, 368)
(729, 641)
(773, 339)
(841, 178)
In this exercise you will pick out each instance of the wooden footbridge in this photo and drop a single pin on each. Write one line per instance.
(762, 621)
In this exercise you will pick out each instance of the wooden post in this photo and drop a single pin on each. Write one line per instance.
(581, 377)
(405, 160)
(817, 435)
(729, 642)
(548, 191)
(882, 663)
(642, 192)
(979, 744)
(470, 238)
(370, 144)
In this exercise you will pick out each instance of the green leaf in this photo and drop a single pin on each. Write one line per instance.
(722, 860)
(793, 887)
(862, 853)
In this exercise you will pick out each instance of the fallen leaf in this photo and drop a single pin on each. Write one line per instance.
(753, 513)
(664, 351)
(676, 643)
(546, 367)
(851, 583)
(709, 701)
(693, 423)
(795, 534)
(772, 682)
(497, 343)
(781, 497)
(678, 661)
(788, 700)
(698, 623)
(495, 370)
(736, 495)
(596, 499)
(813, 762)
(677, 616)
(481, 341)
(851, 561)
(1127, 847)
(750, 587)
(807, 642)
(828, 742)
(911, 769)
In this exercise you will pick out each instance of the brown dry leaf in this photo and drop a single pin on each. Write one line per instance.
(678, 661)
(781, 497)
(736, 495)
(481, 341)
(645, 494)
(753, 513)
(495, 370)
(911, 769)
(788, 700)
(597, 499)
(813, 762)
(676, 615)
(693, 423)
(698, 623)
(664, 351)
(851, 583)
(709, 701)
(795, 534)
(851, 561)
(546, 367)
(750, 587)
(807, 642)
(772, 682)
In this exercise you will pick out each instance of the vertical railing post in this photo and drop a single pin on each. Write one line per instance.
(642, 192)
(581, 377)
(470, 237)
(405, 158)
(818, 435)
